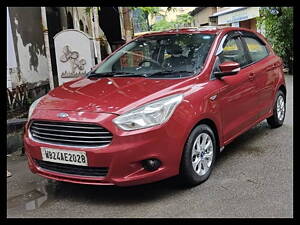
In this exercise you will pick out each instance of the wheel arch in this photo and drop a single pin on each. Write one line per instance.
(283, 89)
(209, 122)
(280, 88)
(213, 126)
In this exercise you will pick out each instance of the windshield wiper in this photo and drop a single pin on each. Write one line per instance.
(131, 75)
(165, 72)
(111, 74)
(127, 74)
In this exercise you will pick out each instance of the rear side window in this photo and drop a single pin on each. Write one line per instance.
(256, 49)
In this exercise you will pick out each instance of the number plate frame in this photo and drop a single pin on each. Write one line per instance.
(71, 157)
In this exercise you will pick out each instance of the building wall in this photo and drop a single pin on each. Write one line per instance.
(28, 41)
(32, 66)
(80, 14)
(250, 24)
(241, 17)
(10, 52)
(202, 18)
(220, 9)
(253, 24)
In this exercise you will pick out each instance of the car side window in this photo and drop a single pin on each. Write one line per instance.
(233, 51)
(256, 49)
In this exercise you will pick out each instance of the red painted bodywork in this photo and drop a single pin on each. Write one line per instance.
(242, 101)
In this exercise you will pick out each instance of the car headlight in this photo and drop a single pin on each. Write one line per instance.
(32, 107)
(148, 115)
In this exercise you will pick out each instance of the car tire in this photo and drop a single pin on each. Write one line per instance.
(191, 174)
(279, 109)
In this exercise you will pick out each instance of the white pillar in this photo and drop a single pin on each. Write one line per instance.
(93, 33)
(10, 52)
(46, 40)
(8, 79)
(97, 33)
(75, 18)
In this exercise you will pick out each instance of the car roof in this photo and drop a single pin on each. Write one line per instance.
(191, 30)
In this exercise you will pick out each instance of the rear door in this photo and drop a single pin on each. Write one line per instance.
(263, 66)
(237, 93)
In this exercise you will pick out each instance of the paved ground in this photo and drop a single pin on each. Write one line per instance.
(252, 178)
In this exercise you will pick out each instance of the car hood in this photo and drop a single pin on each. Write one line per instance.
(109, 95)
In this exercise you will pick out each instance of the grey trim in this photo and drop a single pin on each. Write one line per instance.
(61, 144)
(68, 131)
(64, 145)
(220, 47)
(222, 148)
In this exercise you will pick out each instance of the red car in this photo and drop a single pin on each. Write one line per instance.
(162, 105)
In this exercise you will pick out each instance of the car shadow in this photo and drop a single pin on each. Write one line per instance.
(245, 143)
(114, 195)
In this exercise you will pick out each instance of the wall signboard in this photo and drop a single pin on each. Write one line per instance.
(74, 51)
(241, 15)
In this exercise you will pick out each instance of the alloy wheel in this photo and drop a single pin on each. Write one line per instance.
(202, 154)
(280, 107)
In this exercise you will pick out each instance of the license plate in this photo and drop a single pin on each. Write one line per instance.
(64, 156)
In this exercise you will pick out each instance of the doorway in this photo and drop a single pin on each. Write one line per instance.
(109, 21)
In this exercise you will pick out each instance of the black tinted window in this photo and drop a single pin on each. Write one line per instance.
(233, 51)
(256, 49)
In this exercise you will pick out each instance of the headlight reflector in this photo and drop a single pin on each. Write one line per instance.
(148, 115)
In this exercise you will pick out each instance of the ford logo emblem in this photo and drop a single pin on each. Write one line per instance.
(62, 115)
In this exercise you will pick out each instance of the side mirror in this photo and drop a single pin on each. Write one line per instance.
(227, 69)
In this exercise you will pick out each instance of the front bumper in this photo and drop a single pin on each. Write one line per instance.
(122, 157)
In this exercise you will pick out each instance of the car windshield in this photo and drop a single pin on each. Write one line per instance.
(164, 56)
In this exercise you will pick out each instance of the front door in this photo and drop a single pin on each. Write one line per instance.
(237, 93)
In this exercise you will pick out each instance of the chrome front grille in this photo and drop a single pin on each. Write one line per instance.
(70, 133)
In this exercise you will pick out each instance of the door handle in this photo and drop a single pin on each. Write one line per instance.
(272, 67)
(251, 76)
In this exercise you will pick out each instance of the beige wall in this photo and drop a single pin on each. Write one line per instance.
(220, 9)
(202, 17)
